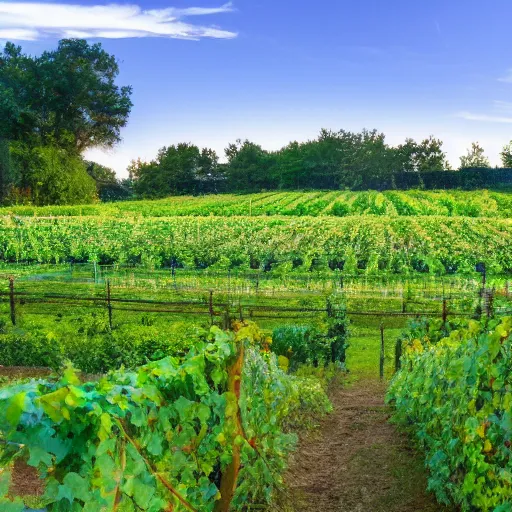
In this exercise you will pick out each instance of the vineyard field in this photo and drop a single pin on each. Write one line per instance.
(479, 203)
(370, 245)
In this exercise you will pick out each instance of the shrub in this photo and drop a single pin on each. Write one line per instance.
(301, 345)
(340, 209)
(186, 434)
(34, 348)
(49, 175)
(455, 390)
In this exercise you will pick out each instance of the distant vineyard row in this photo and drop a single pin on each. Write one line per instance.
(480, 203)
(352, 244)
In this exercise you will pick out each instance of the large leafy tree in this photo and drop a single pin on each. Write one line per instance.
(177, 169)
(67, 97)
(249, 166)
(65, 100)
(428, 155)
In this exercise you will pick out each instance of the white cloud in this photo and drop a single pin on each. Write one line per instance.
(484, 117)
(31, 21)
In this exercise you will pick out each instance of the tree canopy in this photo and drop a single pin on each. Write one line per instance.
(335, 159)
(67, 97)
(59, 103)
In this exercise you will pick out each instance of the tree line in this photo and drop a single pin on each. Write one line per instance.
(334, 160)
(55, 106)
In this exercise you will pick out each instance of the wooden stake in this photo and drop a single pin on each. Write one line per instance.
(381, 351)
(11, 300)
(109, 305)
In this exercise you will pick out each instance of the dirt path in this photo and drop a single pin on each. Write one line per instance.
(357, 461)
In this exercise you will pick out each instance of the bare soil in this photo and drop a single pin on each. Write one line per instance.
(357, 461)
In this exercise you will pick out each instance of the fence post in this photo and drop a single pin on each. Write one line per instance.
(226, 320)
(95, 273)
(404, 305)
(489, 303)
(381, 372)
(445, 311)
(240, 310)
(109, 305)
(398, 354)
(210, 307)
(11, 300)
(229, 286)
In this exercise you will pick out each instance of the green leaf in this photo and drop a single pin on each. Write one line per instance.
(155, 444)
(38, 455)
(78, 486)
(16, 408)
(11, 506)
(5, 482)
(141, 492)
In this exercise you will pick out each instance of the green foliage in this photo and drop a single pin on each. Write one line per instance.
(506, 155)
(65, 97)
(29, 348)
(475, 158)
(333, 160)
(179, 169)
(338, 328)
(399, 243)
(301, 345)
(91, 346)
(54, 107)
(455, 391)
(481, 203)
(159, 438)
(340, 209)
(48, 175)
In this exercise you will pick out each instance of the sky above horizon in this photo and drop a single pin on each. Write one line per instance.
(275, 71)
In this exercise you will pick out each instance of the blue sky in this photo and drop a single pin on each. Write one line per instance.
(277, 70)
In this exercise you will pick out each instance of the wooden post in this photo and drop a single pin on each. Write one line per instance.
(226, 321)
(11, 300)
(109, 305)
(445, 311)
(95, 273)
(210, 306)
(229, 286)
(381, 351)
(398, 354)
(404, 305)
(489, 303)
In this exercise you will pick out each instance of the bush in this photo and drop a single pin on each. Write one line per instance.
(35, 348)
(340, 209)
(301, 345)
(92, 347)
(305, 345)
(48, 175)
(212, 427)
(455, 390)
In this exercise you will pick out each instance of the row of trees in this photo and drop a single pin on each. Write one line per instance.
(53, 107)
(333, 160)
